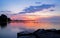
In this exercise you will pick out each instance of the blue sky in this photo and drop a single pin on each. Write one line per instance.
(19, 6)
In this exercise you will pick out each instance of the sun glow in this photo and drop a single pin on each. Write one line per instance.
(34, 16)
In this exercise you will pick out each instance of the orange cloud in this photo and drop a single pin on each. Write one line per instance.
(28, 17)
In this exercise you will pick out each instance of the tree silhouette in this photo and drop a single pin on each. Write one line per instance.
(4, 18)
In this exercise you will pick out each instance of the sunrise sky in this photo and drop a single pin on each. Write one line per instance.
(30, 9)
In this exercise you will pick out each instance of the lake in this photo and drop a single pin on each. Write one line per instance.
(10, 30)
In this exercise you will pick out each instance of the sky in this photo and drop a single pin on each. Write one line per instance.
(30, 8)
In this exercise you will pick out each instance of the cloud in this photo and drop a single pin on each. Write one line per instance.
(38, 2)
(51, 19)
(33, 9)
(52, 10)
(5, 12)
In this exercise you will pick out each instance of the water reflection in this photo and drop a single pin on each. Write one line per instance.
(13, 28)
(3, 25)
(36, 25)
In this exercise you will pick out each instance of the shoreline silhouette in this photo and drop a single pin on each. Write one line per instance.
(40, 33)
(4, 20)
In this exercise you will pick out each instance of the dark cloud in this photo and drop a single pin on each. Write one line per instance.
(5, 12)
(52, 10)
(33, 9)
(38, 2)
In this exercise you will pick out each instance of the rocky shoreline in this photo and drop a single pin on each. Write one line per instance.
(40, 33)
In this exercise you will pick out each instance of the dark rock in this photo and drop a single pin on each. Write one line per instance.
(40, 33)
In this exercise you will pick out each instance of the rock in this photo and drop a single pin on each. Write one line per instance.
(40, 33)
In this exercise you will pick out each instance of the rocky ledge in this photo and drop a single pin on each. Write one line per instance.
(40, 33)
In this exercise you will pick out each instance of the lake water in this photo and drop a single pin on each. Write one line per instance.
(10, 30)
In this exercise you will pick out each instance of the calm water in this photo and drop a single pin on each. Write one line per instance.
(10, 30)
